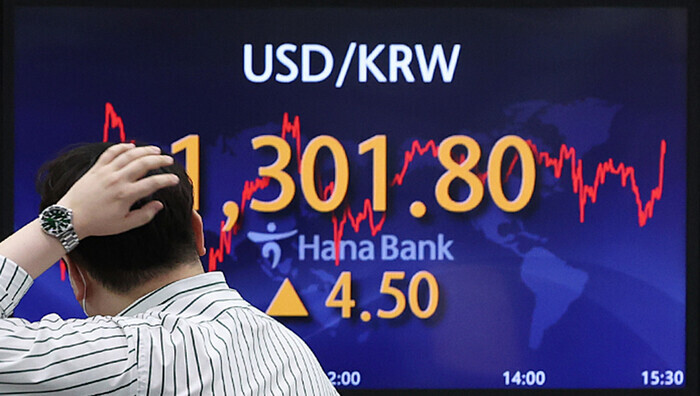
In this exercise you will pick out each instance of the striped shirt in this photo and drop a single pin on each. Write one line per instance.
(195, 336)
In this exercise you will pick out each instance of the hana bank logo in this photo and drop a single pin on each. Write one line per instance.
(387, 248)
(269, 240)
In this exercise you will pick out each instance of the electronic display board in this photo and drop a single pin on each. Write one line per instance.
(432, 198)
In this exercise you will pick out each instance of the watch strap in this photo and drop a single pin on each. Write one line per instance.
(69, 239)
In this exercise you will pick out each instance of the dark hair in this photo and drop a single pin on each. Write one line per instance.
(123, 261)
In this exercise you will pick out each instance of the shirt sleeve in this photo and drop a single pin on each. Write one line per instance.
(69, 357)
(14, 283)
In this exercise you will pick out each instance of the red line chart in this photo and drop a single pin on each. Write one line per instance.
(112, 120)
(645, 210)
(587, 193)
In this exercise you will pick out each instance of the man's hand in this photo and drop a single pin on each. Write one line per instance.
(101, 199)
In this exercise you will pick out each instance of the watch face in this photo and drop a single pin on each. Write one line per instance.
(55, 220)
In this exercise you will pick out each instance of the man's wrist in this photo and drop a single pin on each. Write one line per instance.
(80, 227)
(57, 221)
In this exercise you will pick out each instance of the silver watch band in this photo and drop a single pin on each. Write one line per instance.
(69, 239)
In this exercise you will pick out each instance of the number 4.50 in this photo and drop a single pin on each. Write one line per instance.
(341, 295)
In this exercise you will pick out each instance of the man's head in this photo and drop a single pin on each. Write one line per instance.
(125, 261)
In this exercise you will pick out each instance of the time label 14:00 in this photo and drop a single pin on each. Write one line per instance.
(463, 170)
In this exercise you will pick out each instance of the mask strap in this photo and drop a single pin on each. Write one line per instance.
(84, 292)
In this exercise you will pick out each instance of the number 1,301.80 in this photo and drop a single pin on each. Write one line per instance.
(525, 378)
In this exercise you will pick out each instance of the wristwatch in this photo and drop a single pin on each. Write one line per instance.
(57, 221)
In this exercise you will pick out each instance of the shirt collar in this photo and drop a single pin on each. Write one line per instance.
(209, 281)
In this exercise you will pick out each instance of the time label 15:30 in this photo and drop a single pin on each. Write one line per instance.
(663, 377)
(463, 169)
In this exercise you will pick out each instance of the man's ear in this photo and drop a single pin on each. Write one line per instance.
(77, 282)
(198, 229)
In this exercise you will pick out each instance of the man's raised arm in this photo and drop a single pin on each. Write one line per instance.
(100, 202)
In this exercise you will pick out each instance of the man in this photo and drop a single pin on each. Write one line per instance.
(157, 325)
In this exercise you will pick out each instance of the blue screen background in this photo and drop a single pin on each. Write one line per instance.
(592, 304)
